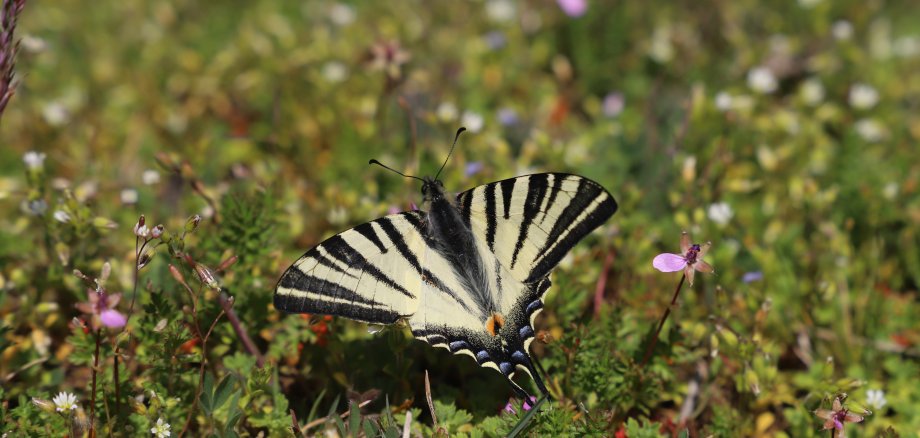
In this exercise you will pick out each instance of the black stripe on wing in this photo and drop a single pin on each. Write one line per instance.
(515, 208)
(354, 274)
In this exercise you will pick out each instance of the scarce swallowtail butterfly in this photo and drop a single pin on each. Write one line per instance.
(469, 274)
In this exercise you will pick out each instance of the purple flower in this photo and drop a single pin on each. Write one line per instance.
(690, 262)
(837, 416)
(573, 8)
(614, 104)
(101, 307)
(507, 117)
(495, 40)
(750, 277)
(472, 168)
(528, 405)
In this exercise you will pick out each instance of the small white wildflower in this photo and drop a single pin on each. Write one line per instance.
(61, 216)
(661, 49)
(812, 91)
(876, 398)
(447, 112)
(809, 4)
(842, 30)
(140, 228)
(863, 96)
(33, 44)
(500, 11)
(56, 114)
(720, 213)
(906, 47)
(161, 429)
(150, 177)
(762, 80)
(34, 160)
(723, 101)
(335, 72)
(472, 121)
(341, 14)
(129, 196)
(890, 191)
(870, 130)
(65, 401)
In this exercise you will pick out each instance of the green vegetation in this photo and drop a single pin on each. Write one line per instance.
(784, 132)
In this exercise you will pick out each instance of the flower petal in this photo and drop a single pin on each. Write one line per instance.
(113, 319)
(704, 248)
(667, 262)
(684, 242)
(703, 267)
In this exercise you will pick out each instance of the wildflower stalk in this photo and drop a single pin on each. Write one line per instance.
(92, 403)
(204, 356)
(667, 312)
(227, 305)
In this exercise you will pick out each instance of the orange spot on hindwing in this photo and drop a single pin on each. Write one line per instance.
(494, 324)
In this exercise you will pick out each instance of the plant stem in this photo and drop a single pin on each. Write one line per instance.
(92, 405)
(227, 305)
(204, 359)
(667, 312)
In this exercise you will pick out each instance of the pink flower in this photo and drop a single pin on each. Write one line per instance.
(573, 8)
(101, 306)
(509, 408)
(690, 262)
(836, 417)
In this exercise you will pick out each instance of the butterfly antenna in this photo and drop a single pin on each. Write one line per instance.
(459, 131)
(393, 170)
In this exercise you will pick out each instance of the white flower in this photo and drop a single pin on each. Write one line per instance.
(33, 44)
(150, 177)
(335, 71)
(812, 91)
(341, 14)
(61, 216)
(761, 80)
(870, 130)
(472, 121)
(65, 401)
(876, 398)
(723, 101)
(890, 191)
(447, 112)
(129, 196)
(842, 30)
(56, 114)
(161, 429)
(34, 160)
(906, 46)
(863, 96)
(808, 4)
(500, 11)
(720, 213)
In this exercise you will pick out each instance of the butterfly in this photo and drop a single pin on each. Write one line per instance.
(468, 274)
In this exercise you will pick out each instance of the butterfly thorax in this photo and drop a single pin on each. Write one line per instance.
(452, 238)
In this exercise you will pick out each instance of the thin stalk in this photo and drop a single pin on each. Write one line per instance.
(667, 312)
(227, 305)
(92, 405)
(204, 359)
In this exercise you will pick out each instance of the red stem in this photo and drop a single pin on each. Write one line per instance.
(92, 405)
(667, 312)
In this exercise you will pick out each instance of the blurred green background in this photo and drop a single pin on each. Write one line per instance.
(784, 132)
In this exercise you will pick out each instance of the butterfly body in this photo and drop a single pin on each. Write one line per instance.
(469, 274)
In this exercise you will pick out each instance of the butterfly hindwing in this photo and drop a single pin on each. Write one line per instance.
(531, 222)
(368, 273)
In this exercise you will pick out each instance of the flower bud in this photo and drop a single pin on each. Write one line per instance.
(192, 223)
(157, 231)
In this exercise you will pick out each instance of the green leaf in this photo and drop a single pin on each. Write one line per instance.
(354, 419)
(312, 415)
(223, 391)
(207, 397)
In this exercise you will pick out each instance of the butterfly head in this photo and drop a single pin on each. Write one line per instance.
(432, 189)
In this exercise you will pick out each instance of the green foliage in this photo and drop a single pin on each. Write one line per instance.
(246, 135)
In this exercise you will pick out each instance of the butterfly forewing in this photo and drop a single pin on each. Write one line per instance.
(531, 222)
(366, 273)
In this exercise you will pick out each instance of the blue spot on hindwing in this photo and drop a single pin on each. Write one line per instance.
(506, 368)
(458, 345)
(519, 357)
(482, 356)
(526, 332)
(533, 306)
